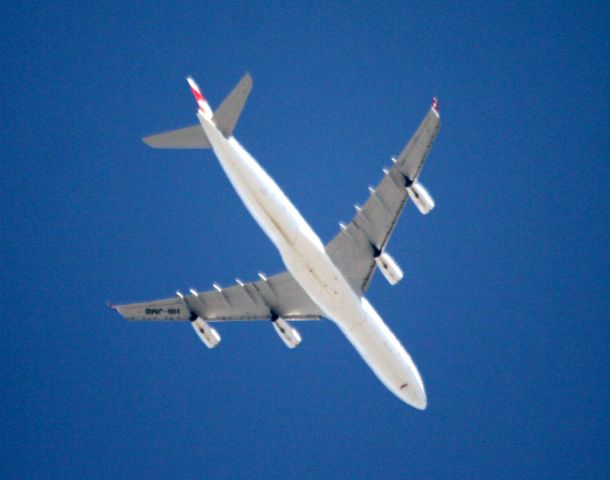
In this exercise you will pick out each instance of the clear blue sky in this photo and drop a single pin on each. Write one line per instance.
(505, 302)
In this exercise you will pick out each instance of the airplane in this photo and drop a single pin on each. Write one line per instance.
(320, 281)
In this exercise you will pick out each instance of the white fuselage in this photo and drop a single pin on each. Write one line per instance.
(305, 258)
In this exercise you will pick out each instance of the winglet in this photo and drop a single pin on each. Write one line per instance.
(204, 107)
(435, 104)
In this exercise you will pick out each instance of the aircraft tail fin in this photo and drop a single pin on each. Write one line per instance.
(225, 118)
(204, 106)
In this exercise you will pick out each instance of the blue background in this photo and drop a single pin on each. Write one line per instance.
(504, 306)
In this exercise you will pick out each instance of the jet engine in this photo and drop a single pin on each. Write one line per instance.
(390, 269)
(421, 198)
(290, 336)
(207, 334)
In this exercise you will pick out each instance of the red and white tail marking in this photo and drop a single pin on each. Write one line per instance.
(204, 107)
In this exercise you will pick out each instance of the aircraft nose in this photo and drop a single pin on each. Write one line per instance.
(414, 394)
(421, 401)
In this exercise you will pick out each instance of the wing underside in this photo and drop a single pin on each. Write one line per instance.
(278, 295)
(353, 249)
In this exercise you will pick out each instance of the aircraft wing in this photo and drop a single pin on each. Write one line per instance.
(277, 295)
(353, 249)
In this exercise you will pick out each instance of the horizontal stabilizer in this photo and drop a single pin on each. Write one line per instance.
(190, 137)
(225, 119)
(227, 115)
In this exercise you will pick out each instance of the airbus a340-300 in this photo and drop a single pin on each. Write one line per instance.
(321, 281)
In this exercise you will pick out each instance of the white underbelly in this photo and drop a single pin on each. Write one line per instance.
(358, 321)
(305, 258)
(363, 327)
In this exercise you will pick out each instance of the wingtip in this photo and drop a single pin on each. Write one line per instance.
(435, 104)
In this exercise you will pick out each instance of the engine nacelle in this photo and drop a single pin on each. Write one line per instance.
(421, 198)
(390, 269)
(207, 334)
(290, 336)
